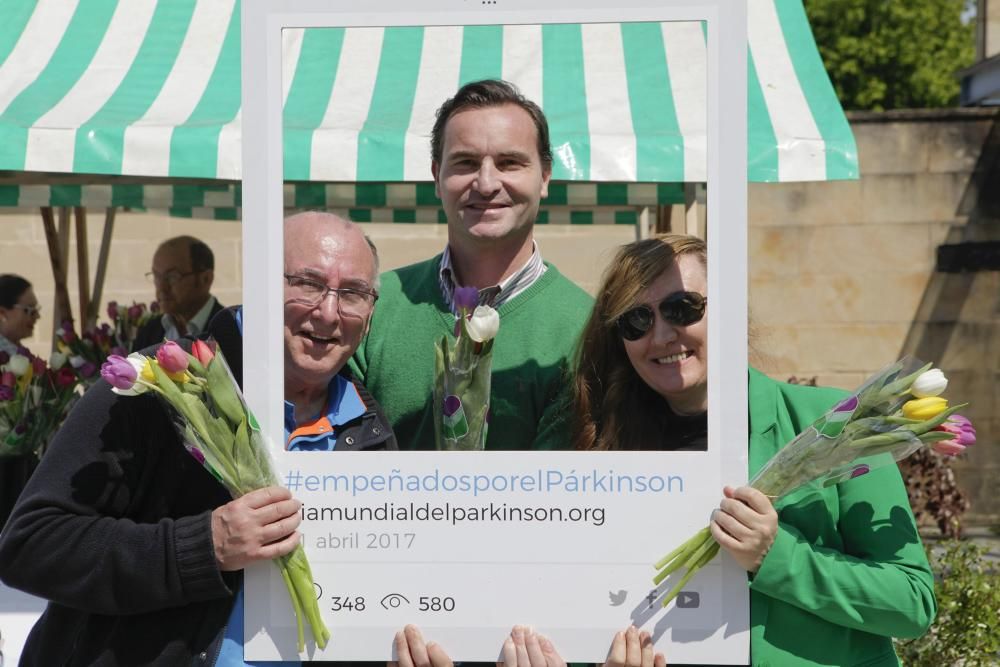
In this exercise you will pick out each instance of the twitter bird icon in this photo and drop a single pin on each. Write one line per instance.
(617, 599)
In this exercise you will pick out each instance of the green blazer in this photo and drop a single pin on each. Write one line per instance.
(847, 571)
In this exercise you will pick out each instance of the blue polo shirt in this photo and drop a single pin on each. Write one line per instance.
(319, 433)
(316, 434)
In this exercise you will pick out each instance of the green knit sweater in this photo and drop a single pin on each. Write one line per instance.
(538, 333)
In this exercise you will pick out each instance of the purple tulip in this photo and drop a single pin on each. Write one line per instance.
(135, 311)
(119, 350)
(6, 393)
(860, 469)
(119, 373)
(172, 357)
(88, 369)
(466, 298)
(113, 310)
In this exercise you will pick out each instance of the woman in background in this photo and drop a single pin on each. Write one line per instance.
(19, 312)
(834, 573)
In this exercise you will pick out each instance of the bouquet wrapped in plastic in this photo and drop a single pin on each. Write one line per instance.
(219, 430)
(893, 414)
(35, 398)
(462, 375)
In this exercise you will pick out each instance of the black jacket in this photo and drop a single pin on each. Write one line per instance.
(151, 333)
(114, 529)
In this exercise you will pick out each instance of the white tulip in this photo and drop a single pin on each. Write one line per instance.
(77, 361)
(138, 362)
(930, 383)
(483, 325)
(18, 365)
(57, 360)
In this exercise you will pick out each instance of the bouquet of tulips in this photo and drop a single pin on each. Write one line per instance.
(219, 430)
(893, 414)
(35, 398)
(462, 375)
(87, 351)
(126, 321)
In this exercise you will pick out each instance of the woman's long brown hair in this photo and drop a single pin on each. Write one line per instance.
(612, 407)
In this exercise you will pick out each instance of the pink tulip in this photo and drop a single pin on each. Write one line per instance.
(202, 352)
(65, 377)
(964, 432)
(119, 372)
(172, 357)
(135, 311)
(8, 379)
(38, 365)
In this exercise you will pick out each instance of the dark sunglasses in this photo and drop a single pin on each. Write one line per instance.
(680, 309)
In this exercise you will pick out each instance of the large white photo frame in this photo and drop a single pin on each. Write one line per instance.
(263, 22)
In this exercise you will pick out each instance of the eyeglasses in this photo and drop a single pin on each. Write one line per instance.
(680, 309)
(30, 311)
(170, 278)
(351, 301)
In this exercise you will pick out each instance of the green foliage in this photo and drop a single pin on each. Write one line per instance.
(967, 629)
(893, 54)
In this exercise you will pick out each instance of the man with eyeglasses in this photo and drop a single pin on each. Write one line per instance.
(182, 273)
(491, 161)
(138, 548)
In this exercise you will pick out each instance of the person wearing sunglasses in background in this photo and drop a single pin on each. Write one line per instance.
(834, 572)
(182, 273)
(19, 311)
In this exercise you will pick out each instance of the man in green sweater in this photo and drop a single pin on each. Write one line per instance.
(492, 163)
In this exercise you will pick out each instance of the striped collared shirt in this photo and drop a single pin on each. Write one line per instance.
(496, 295)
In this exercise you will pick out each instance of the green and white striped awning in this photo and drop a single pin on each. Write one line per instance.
(152, 89)
(567, 203)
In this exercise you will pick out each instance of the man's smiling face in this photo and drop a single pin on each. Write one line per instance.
(491, 177)
(320, 339)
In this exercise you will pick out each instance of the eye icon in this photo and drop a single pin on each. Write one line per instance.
(394, 601)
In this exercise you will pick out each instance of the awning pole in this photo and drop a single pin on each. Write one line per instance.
(642, 228)
(102, 265)
(61, 306)
(691, 209)
(82, 266)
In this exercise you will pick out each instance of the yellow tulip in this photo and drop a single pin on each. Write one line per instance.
(925, 408)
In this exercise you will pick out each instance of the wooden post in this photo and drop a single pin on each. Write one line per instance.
(691, 209)
(61, 307)
(82, 266)
(102, 266)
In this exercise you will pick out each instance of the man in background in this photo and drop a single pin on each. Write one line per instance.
(182, 273)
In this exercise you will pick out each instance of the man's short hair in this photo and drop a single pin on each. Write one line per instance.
(202, 258)
(490, 93)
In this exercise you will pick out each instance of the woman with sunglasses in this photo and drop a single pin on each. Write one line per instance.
(18, 312)
(835, 572)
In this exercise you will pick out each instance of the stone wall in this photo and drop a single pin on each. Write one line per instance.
(842, 274)
(843, 279)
